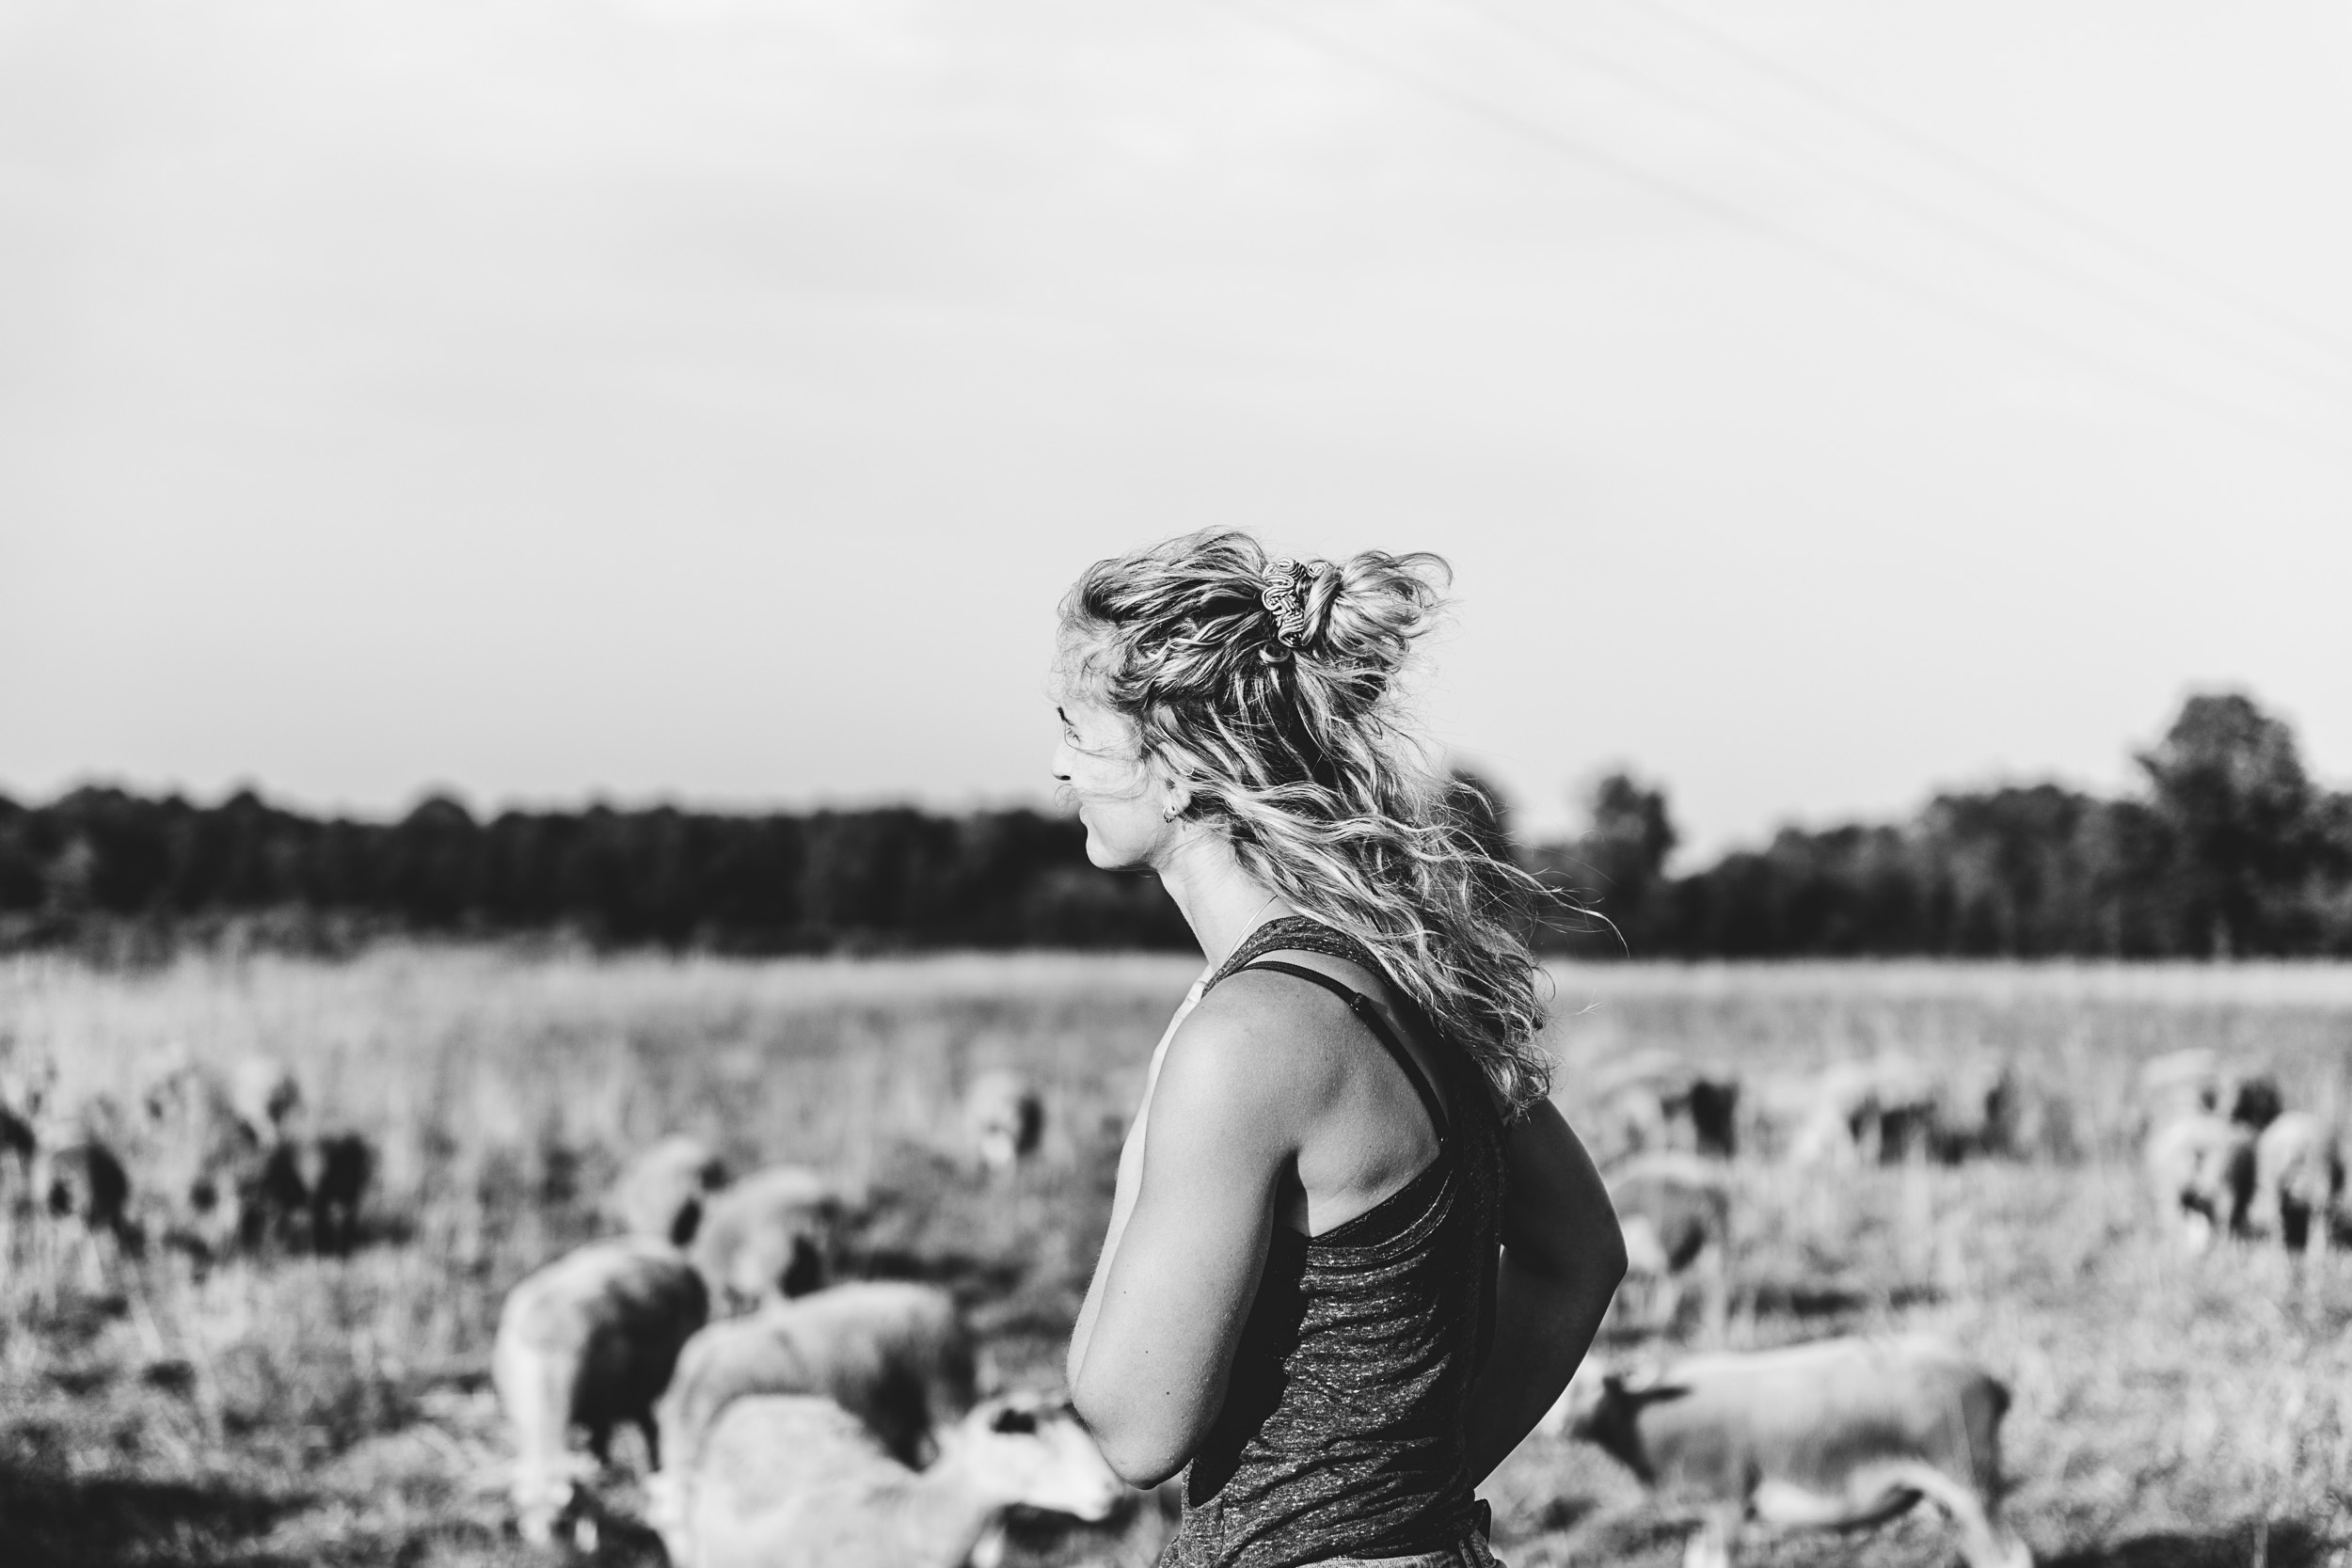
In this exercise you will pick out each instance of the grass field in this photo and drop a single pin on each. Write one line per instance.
(2168, 1411)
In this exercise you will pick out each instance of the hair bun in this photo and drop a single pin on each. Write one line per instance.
(1365, 613)
(1323, 585)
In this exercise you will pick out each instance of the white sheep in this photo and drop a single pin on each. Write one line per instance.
(1004, 1117)
(663, 1192)
(790, 1481)
(589, 1341)
(197, 1162)
(1829, 1435)
(1676, 1212)
(897, 1357)
(263, 1093)
(2201, 1175)
(2298, 1182)
(773, 1234)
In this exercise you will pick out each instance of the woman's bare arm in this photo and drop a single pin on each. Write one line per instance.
(1177, 1281)
(1124, 1190)
(1561, 1259)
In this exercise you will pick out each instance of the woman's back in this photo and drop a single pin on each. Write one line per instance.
(1342, 1430)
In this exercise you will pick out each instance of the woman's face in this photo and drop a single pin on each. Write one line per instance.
(1123, 805)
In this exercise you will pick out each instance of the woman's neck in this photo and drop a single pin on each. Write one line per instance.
(1220, 900)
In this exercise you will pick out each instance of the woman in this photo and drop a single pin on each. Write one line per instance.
(1354, 1253)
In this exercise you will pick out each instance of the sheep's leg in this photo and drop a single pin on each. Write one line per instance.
(97, 1260)
(1711, 1547)
(1984, 1541)
(1716, 1299)
(1665, 1305)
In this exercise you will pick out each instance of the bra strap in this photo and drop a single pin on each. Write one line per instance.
(1361, 1006)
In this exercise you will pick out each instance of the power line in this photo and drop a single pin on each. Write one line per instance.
(2016, 190)
(1723, 212)
(1978, 234)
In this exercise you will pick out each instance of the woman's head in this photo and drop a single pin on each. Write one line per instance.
(1205, 685)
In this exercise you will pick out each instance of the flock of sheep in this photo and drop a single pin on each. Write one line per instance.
(2227, 1157)
(194, 1158)
(1849, 1431)
(790, 1419)
(793, 1417)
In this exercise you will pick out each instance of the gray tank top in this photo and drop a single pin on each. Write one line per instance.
(1342, 1432)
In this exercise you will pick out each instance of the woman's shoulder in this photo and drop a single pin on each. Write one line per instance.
(1271, 1031)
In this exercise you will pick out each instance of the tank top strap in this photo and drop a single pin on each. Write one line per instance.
(1296, 934)
(1368, 1014)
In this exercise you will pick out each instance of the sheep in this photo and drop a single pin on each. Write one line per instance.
(83, 1194)
(2175, 1085)
(1676, 1212)
(26, 1090)
(200, 1164)
(2195, 1079)
(263, 1094)
(1656, 1099)
(2200, 1173)
(663, 1192)
(2298, 1182)
(790, 1480)
(772, 1234)
(897, 1357)
(1004, 1117)
(314, 1186)
(588, 1341)
(1833, 1435)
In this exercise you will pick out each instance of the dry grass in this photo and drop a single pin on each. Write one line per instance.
(300, 1411)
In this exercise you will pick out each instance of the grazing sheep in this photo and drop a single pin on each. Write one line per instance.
(83, 1194)
(795, 1481)
(2201, 1172)
(589, 1341)
(263, 1094)
(1828, 1435)
(1004, 1118)
(2196, 1081)
(1978, 1110)
(2298, 1182)
(897, 1357)
(313, 1187)
(1654, 1098)
(2255, 1098)
(2175, 1085)
(25, 1089)
(199, 1165)
(1675, 1210)
(663, 1192)
(772, 1234)
(1877, 1112)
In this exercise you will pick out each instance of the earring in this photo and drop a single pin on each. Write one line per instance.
(1170, 813)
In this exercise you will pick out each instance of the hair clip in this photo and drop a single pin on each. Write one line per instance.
(1286, 583)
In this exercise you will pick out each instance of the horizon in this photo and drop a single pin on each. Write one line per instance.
(1685, 857)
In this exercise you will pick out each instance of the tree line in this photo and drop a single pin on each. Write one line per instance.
(2230, 849)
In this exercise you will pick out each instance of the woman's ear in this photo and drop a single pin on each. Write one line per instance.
(1174, 794)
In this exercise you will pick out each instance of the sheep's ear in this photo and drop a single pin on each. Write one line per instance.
(1013, 1419)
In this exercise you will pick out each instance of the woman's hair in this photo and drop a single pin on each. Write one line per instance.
(1282, 713)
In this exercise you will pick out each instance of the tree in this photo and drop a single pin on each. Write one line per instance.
(1617, 867)
(2230, 783)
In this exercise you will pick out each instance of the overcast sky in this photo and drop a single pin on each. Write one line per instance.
(709, 401)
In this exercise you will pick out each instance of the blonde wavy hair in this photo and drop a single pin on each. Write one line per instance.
(1300, 751)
